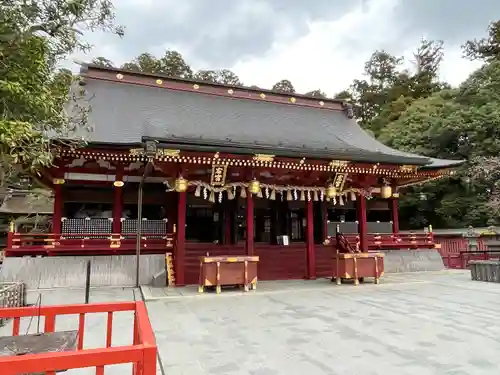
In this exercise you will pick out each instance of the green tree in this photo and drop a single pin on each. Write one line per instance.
(284, 86)
(485, 48)
(387, 83)
(171, 64)
(223, 76)
(102, 61)
(316, 94)
(463, 123)
(35, 37)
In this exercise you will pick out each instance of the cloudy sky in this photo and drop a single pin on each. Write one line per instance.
(315, 44)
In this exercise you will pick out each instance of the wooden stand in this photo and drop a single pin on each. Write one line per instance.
(357, 266)
(227, 270)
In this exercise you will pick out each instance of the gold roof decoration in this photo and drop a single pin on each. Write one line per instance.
(264, 158)
(339, 163)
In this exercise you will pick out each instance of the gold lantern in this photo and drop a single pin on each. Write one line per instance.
(254, 187)
(331, 191)
(181, 185)
(385, 192)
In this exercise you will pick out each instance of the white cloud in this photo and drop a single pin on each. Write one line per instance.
(333, 53)
(329, 55)
(455, 68)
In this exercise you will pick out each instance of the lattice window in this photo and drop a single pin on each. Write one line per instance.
(78, 228)
(150, 228)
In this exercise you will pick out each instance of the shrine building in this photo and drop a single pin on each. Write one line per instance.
(224, 170)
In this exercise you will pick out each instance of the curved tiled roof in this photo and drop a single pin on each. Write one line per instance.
(125, 113)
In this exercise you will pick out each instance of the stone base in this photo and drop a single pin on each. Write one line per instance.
(70, 271)
(405, 260)
(485, 270)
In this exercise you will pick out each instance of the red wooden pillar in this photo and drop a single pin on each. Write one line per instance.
(250, 226)
(118, 201)
(325, 220)
(393, 202)
(180, 249)
(311, 256)
(362, 224)
(58, 208)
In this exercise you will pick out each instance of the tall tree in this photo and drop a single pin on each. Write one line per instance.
(223, 76)
(485, 48)
(35, 37)
(171, 64)
(316, 94)
(462, 124)
(102, 61)
(284, 86)
(144, 63)
(388, 89)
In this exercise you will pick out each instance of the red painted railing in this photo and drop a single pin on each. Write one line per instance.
(378, 241)
(141, 352)
(91, 243)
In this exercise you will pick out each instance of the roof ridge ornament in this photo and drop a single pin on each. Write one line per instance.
(348, 109)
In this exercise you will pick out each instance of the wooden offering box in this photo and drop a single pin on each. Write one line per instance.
(357, 266)
(228, 270)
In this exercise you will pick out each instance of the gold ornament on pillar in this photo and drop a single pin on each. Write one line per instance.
(254, 186)
(331, 191)
(181, 184)
(385, 192)
(58, 181)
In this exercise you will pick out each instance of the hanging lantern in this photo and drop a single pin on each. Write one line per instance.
(181, 185)
(302, 195)
(254, 187)
(331, 191)
(353, 196)
(385, 192)
(197, 192)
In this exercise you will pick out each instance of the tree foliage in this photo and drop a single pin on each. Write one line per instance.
(316, 94)
(171, 64)
(284, 86)
(34, 37)
(223, 76)
(486, 48)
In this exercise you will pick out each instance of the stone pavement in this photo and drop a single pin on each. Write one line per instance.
(418, 324)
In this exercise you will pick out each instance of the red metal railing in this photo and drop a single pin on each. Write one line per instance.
(141, 352)
(50, 243)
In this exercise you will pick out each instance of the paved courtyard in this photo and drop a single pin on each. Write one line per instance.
(438, 323)
(419, 324)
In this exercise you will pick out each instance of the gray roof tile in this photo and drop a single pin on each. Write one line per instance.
(126, 114)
